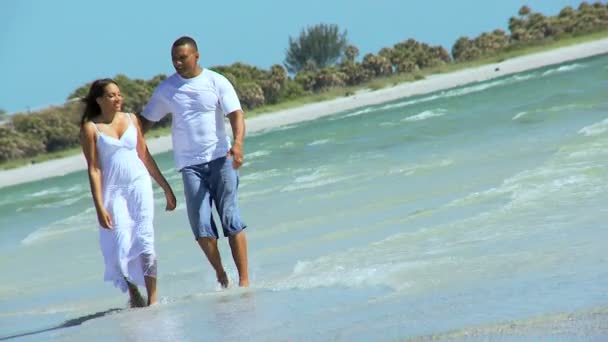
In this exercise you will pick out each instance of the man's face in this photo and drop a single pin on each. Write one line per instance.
(185, 60)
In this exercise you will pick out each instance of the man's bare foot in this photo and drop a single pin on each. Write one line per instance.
(222, 278)
(244, 282)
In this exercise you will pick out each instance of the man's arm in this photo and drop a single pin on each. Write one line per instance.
(144, 123)
(237, 122)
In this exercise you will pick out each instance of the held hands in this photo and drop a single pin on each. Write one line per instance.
(236, 152)
(104, 218)
(171, 201)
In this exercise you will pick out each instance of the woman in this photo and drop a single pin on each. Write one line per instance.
(119, 167)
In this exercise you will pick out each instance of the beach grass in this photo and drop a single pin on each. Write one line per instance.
(16, 163)
(390, 81)
(338, 92)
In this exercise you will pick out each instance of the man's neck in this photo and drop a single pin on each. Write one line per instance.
(195, 73)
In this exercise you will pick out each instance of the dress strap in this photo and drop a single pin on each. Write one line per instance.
(95, 125)
(129, 117)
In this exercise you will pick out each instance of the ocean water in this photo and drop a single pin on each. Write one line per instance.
(470, 214)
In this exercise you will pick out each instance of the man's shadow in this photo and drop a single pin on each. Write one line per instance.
(67, 324)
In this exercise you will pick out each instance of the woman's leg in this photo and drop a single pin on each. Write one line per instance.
(149, 265)
(151, 289)
(135, 298)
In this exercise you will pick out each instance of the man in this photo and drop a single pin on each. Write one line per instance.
(199, 99)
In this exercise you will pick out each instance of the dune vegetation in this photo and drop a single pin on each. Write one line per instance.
(320, 64)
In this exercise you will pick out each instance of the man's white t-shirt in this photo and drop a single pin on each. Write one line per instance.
(199, 106)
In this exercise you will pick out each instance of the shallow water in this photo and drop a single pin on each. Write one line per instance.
(468, 214)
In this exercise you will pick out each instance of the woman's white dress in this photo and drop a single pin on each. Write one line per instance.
(127, 248)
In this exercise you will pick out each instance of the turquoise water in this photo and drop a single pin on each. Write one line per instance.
(468, 214)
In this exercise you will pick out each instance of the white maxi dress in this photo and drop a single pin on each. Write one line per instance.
(127, 248)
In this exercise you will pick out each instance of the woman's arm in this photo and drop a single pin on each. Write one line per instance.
(151, 166)
(88, 142)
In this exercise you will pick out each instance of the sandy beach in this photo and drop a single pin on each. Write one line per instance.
(430, 84)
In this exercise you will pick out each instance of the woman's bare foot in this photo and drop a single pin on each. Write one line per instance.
(222, 278)
(152, 300)
(135, 298)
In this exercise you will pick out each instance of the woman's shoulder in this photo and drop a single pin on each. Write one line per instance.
(131, 116)
(88, 129)
(88, 125)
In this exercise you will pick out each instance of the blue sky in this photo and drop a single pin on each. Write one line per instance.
(49, 48)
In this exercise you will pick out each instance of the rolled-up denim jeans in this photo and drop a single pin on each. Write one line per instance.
(215, 182)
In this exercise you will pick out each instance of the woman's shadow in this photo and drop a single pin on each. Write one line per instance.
(67, 324)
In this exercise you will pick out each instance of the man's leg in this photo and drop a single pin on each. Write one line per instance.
(223, 185)
(238, 245)
(209, 246)
(198, 203)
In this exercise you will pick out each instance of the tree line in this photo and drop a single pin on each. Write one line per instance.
(320, 58)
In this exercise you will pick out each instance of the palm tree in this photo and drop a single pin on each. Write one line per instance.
(350, 53)
(329, 77)
(251, 95)
(355, 73)
(377, 65)
(459, 50)
(322, 44)
(274, 83)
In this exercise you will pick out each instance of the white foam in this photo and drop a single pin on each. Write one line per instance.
(563, 68)
(319, 142)
(571, 175)
(570, 106)
(557, 181)
(356, 113)
(410, 102)
(287, 144)
(46, 192)
(333, 271)
(427, 114)
(486, 85)
(257, 176)
(257, 154)
(389, 106)
(317, 174)
(597, 150)
(60, 204)
(78, 222)
(314, 181)
(520, 115)
(594, 129)
(444, 94)
(245, 194)
(278, 129)
(554, 109)
(408, 169)
(476, 196)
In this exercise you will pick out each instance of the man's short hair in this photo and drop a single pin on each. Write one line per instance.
(185, 40)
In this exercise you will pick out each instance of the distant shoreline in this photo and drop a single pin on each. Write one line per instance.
(432, 83)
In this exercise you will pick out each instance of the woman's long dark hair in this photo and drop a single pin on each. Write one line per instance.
(91, 107)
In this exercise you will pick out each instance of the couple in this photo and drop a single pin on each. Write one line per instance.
(120, 166)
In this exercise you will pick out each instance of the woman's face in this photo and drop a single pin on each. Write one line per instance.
(111, 100)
